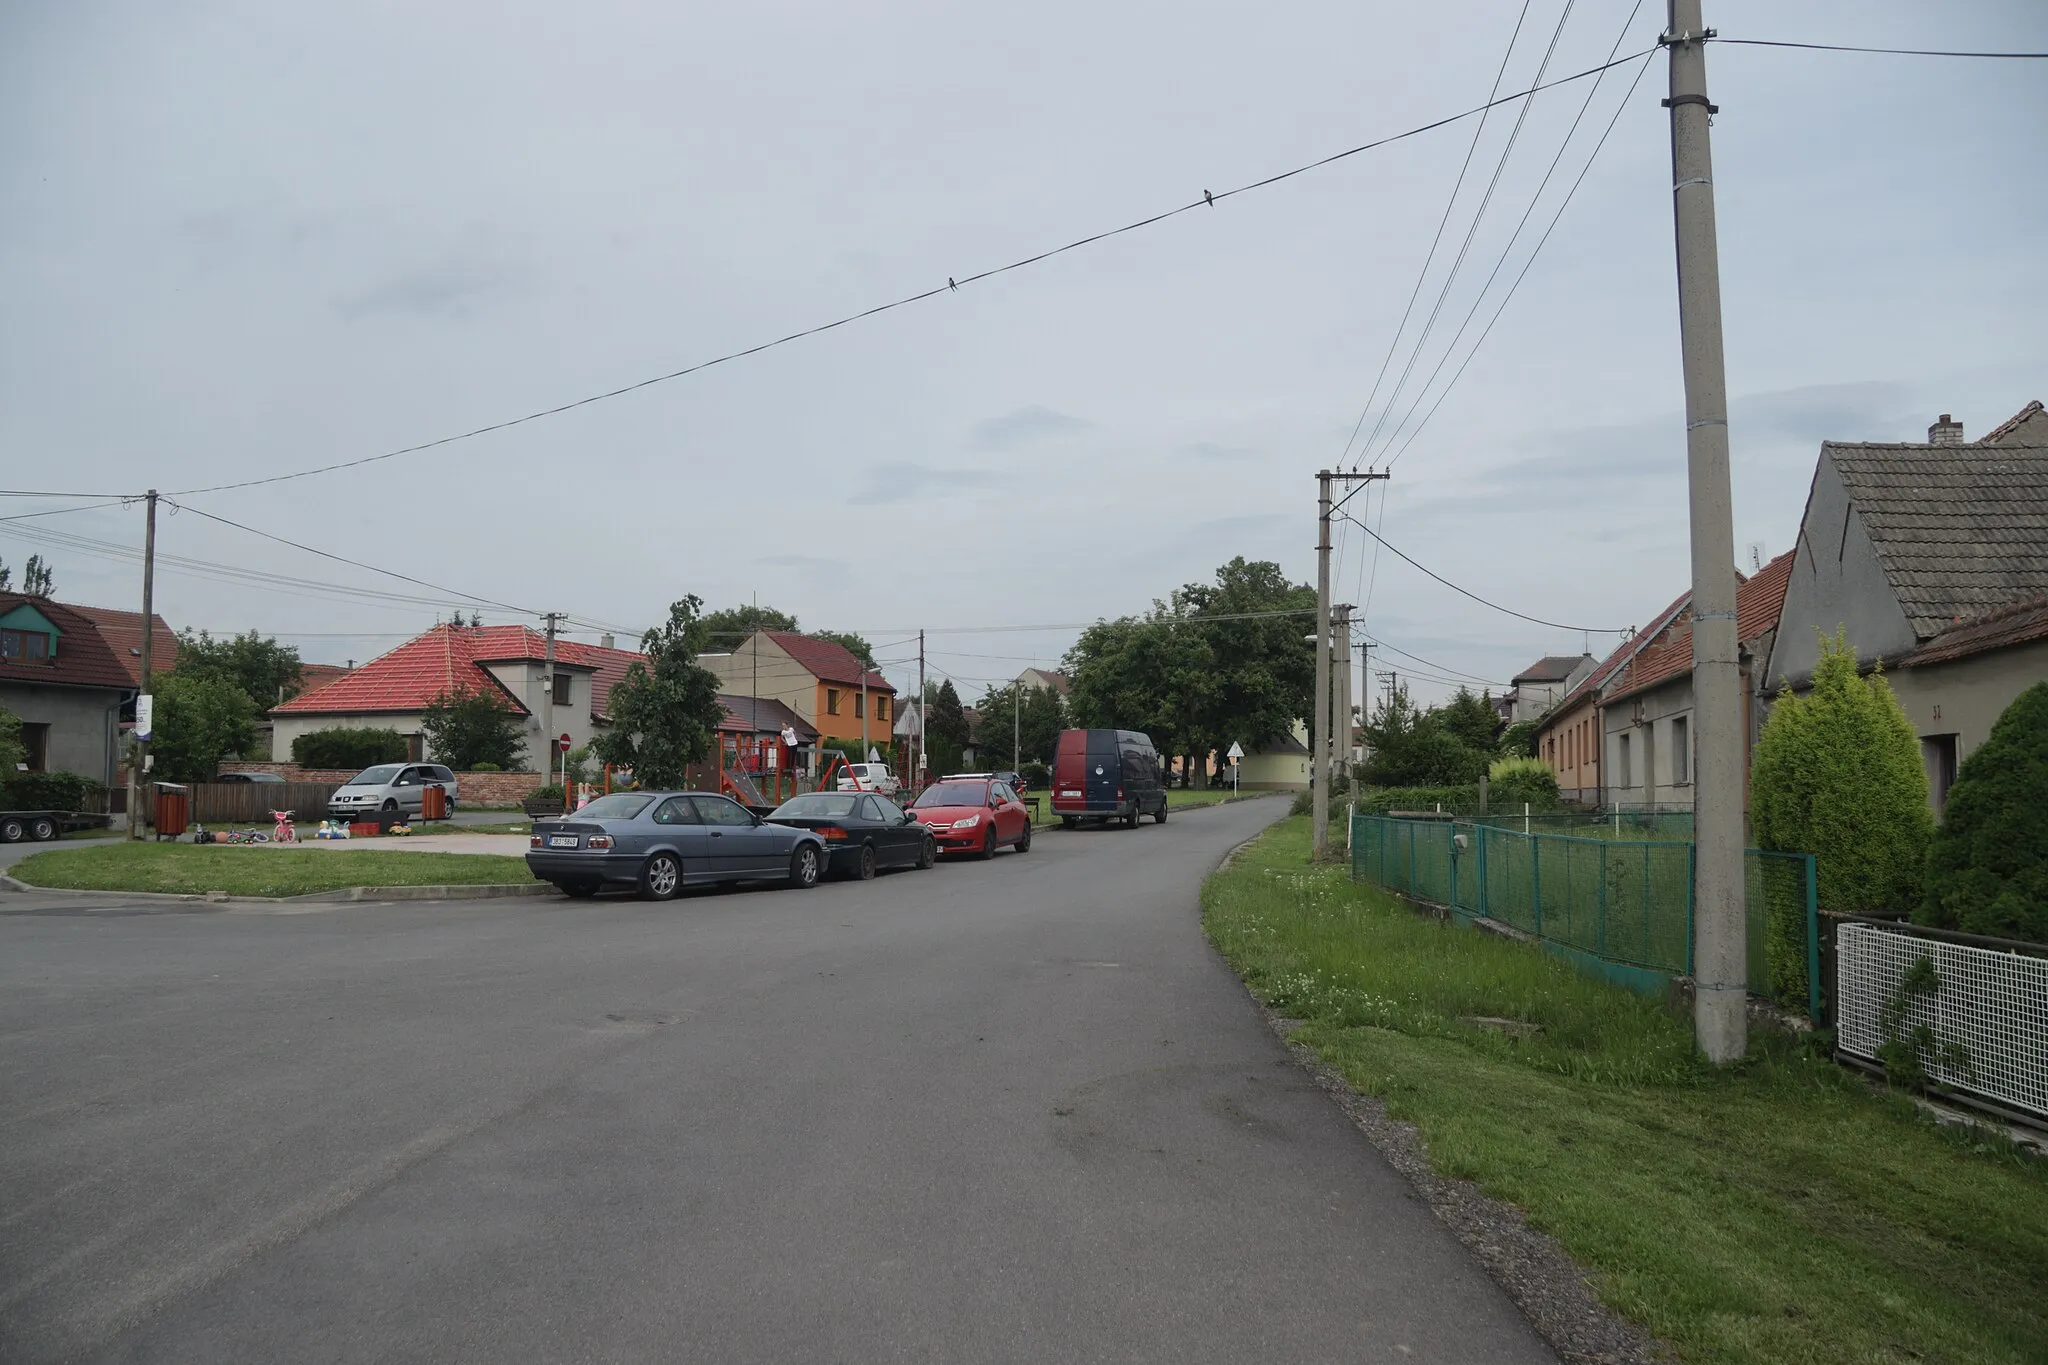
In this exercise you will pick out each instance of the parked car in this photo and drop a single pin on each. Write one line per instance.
(1013, 780)
(1107, 775)
(862, 832)
(873, 777)
(249, 777)
(660, 842)
(974, 815)
(389, 787)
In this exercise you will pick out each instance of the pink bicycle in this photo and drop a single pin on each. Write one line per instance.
(285, 831)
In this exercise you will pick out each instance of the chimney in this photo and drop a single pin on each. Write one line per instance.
(605, 642)
(1946, 432)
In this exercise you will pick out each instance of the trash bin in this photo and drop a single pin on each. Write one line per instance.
(173, 809)
(433, 802)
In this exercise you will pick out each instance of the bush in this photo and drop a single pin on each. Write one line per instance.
(1460, 800)
(1987, 868)
(1304, 803)
(1837, 774)
(552, 792)
(1037, 776)
(50, 791)
(483, 768)
(349, 748)
(1522, 781)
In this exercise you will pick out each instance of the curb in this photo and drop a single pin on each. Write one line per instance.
(343, 895)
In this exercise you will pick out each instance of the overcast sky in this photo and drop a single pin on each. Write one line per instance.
(243, 239)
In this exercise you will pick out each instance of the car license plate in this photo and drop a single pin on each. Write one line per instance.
(562, 841)
(1065, 795)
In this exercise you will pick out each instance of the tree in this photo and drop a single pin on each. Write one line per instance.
(348, 748)
(1837, 774)
(664, 712)
(1519, 739)
(468, 725)
(1412, 748)
(1255, 673)
(946, 731)
(12, 754)
(722, 630)
(854, 644)
(1987, 868)
(1021, 724)
(1472, 721)
(36, 578)
(198, 722)
(266, 671)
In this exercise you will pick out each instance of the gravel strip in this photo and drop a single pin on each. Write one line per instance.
(1543, 1280)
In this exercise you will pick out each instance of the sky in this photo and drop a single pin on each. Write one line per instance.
(246, 239)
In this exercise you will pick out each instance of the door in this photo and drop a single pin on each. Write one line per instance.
(409, 787)
(1008, 813)
(896, 841)
(737, 846)
(675, 822)
(1104, 769)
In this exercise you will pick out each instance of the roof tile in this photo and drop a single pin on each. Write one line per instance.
(83, 657)
(412, 675)
(827, 660)
(122, 630)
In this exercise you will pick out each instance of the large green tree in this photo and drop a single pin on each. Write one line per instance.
(1837, 774)
(1469, 718)
(266, 671)
(1415, 748)
(466, 726)
(946, 730)
(1259, 674)
(1147, 673)
(722, 630)
(1987, 869)
(1021, 724)
(664, 712)
(198, 722)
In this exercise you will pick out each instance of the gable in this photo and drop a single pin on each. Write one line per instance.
(25, 616)
(1836, 580)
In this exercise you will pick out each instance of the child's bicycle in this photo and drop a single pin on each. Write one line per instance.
(285, 832)
(244, 836)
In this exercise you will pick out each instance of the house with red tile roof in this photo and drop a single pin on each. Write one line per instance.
(820, 680)
(394, 690)
(60, 676)
(1569, 737)
(1933, 558)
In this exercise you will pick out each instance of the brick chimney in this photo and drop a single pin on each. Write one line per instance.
(1945, 432)
(604, 642)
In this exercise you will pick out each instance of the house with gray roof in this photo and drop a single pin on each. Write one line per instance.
(1543, 685)
(1933, 556)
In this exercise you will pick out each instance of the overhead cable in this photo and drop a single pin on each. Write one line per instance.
(1510, 611)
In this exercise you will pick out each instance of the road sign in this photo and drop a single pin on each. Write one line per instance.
(1235, 752)
(874, 756)
(145, 714)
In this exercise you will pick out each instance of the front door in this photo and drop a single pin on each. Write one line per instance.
(897, 843)
(738, 846)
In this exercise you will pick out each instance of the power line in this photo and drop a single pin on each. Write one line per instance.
(952, 284)
(1882, 51)
(1378, 643)
(60, 511)
(1510, 611)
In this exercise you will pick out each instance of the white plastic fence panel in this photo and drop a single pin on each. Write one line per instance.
(1992, 1002)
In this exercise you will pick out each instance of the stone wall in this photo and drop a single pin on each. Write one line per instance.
(473, 789)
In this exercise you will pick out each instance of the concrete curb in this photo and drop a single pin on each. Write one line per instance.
(342, 895)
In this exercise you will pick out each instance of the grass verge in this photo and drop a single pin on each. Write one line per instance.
(1779, 1211)
(194, 869)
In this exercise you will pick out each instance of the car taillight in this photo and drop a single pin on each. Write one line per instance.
(831, 832)
(598, 841)
(533, 841)
(1119, 793)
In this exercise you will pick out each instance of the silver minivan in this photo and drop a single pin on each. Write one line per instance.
(392, 787)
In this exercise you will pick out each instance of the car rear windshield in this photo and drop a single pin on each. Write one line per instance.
(818, 805)
(954, 794)
(376, 777)
(617, 806)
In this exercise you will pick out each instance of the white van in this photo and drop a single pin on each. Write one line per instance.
(873, 777)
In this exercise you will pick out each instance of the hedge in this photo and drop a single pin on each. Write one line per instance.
(1987, 869)
(348, 747)
(50, 791)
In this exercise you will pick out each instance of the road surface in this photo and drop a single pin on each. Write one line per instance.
(991, 1112)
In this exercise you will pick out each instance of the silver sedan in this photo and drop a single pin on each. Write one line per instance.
(660, 842)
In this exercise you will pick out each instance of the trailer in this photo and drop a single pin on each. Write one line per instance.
(40, 826)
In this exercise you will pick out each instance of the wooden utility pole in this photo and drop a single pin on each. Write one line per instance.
(1321, 731)
(144, 702)
(1720, 955)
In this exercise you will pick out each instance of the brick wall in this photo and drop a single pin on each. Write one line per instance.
(475, 789)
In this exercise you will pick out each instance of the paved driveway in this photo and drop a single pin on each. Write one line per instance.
(1005, 1111)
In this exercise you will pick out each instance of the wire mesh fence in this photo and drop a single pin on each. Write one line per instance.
(1624, 901)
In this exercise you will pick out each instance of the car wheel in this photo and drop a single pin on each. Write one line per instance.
(865, 868)
(988, 842)
(390, 803)
(580, 890)
(12, 831)
(1159, 816)
(661, 878)
(803, 867)
(1024, 843)
(42, 829)
(927, 854)
(1132, 819)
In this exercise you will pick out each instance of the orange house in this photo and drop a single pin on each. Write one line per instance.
(820, 680)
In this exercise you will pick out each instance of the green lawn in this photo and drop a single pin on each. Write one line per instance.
(1780, 1211)
(239, 870)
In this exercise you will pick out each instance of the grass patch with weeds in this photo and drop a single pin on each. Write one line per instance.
(242, 870)
(1778, 1211)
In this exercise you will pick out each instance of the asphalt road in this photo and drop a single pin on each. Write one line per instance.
(1007, 1111)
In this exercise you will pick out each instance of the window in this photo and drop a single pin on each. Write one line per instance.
(677, 810)
(869, 810)
(1681, 752)
(831, 701)
(716, 810)
(560, 690)
(35, 745)
(24, 645)
(860, 704)
(882, 707)
(1624, 764)
(1937, 753)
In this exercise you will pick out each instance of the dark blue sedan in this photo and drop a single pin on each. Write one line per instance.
(660, 842)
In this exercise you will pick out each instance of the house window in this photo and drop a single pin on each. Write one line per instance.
(23, 646)
(561, 690)
(1626, 766)
(831, 701)
(860, 705)
(35, 745)
(882, 707)
(1681, 751)
(1937, 752)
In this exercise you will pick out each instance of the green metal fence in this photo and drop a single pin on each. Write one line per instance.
(1627, 902)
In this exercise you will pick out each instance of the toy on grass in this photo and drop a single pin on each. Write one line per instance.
(285, 832)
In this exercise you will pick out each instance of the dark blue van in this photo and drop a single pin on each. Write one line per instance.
(1107, 775)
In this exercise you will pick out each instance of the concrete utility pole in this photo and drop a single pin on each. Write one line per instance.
(1321, 731)
(547, 708)
(923, 714)
(1720, 966)
(1340, 701)
(143, 700)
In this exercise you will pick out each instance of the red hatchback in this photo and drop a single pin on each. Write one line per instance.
(974, 815)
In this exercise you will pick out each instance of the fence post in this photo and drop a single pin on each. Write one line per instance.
(1692, 853)
(1536, 877)
(1479, 834)
(1411, 860)
(1600, 902)
(1815, 1007)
